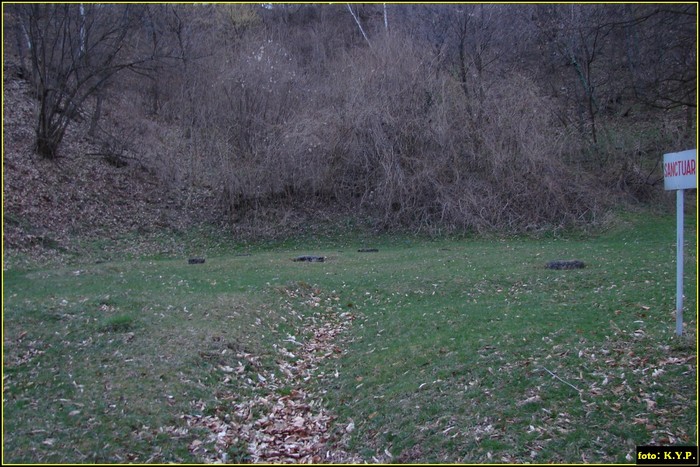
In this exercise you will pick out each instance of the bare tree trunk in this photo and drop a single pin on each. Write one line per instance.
(386, 19)
(690, 119)
(463, 59)
(359, 25)
(21, 40)
(49, 132)
(96, 114)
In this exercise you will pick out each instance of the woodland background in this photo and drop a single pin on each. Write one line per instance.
(435, 118)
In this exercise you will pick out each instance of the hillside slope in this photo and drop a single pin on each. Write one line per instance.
(53, 205)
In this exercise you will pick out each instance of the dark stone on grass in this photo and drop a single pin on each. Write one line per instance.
(195, 260)
(367, 250)
(311, 259)
(566, 264)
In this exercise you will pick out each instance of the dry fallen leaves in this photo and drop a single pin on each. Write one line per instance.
(55, 204)
(294, 428)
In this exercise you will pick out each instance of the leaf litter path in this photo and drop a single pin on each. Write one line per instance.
(284, 421)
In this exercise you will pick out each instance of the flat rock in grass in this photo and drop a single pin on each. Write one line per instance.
(310, 259)
(367, 250)
(195, 260)
(566, 264)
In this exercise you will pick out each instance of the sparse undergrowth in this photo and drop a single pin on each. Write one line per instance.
(438, 350)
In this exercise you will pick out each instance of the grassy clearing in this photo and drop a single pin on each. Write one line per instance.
(99, 359)
(461, 351)
(456, 358)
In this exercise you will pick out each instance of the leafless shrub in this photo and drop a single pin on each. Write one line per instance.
(388, 133)
(236, 119)
(398, 140)
(440, 118)
(629, 156)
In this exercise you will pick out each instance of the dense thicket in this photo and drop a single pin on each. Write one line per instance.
(483, 117)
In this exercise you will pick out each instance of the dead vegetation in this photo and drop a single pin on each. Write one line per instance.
(266, 119)
(286, 422)
(49, 206)
(393, 139)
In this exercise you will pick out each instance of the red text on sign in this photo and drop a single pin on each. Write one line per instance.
(679, 168)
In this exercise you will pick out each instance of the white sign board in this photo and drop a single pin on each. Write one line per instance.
(680, 170)
(680, 174)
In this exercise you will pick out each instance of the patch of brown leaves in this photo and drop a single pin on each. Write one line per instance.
(269, 428)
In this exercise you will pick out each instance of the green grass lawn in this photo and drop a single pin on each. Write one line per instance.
(461, 350)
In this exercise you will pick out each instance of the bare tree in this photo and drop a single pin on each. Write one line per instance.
(359, 24)
(581, 48)
(660, 44)
(73, 50)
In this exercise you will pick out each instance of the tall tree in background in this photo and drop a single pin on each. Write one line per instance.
(661, 56)
(73, 51)
(634, 57)
(579, 51)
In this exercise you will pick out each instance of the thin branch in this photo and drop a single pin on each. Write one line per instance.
(359, 25)
(565, 382)
(386, 19)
